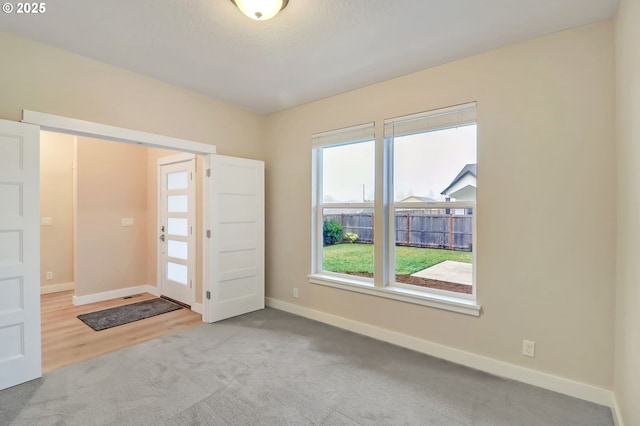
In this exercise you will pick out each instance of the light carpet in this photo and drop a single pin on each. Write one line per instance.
(273, 368)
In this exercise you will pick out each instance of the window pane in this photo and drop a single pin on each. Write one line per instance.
(178, 203)
(178, 249)
(177, 273)
(348, 173)
(177, 180)
(178, 226)
(434, 248)
(435, 166)
(348, 241)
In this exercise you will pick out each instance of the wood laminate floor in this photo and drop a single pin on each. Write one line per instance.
(66, 340)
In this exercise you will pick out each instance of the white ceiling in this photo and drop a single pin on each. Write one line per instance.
(311, 50)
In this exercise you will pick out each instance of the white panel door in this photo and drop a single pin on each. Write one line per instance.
(177, 226)
(236, 219)
(20, 357)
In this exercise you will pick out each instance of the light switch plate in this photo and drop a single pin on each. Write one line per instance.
(46, 221)
(127, 221)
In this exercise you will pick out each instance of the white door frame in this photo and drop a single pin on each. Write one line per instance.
(60, 124)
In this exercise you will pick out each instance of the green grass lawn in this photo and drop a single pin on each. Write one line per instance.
(350, 258)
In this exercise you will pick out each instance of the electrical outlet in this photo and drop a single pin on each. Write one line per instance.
(46, 221)
(127, 221)
(49, 275)
(295, 292)
(529, 348)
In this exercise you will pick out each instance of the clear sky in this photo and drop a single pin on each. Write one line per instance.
(424, 165)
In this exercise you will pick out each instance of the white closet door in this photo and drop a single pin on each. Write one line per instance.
(20, 357)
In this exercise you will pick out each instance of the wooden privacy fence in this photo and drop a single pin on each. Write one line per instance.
(356, 223)
(414, 228)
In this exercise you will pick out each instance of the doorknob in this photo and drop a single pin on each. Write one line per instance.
(162, 237)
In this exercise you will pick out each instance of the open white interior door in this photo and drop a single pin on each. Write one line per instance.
(236, 221)
(20, 357)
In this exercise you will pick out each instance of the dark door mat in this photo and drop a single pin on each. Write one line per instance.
(113, 317)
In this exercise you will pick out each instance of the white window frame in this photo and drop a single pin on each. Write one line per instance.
(429, 121)
(387, 287)
(341, 137)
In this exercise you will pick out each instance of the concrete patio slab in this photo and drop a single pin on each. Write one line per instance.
(449, 271)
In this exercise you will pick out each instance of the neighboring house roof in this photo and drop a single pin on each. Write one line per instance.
(470, 169)
(415, 198)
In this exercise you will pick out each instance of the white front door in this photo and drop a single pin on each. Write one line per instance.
(236, 218)
(177, 206)
(20, 357)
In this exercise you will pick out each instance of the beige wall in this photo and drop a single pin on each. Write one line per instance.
(627, 360)
(546, 202)
(112, 184)
(56, 201)
(43, 78)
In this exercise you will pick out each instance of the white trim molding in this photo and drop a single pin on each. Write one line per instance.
(56, 288)
(432, 299)
(198, 308)
(176, 158)
(617, 414)
(115, 294)
(478, 362)
(57, 123)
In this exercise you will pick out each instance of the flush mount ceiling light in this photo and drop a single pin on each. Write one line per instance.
(260, 10)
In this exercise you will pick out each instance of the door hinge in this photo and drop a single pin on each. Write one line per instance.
(208, 233)
(208, 172)
(208, 295)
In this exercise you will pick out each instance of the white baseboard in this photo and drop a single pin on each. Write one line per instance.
(617, 414)
(198, 308)
(478, 362)
(115, 294)
(55, 288)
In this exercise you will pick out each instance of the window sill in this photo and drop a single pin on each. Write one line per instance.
(448, 303)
